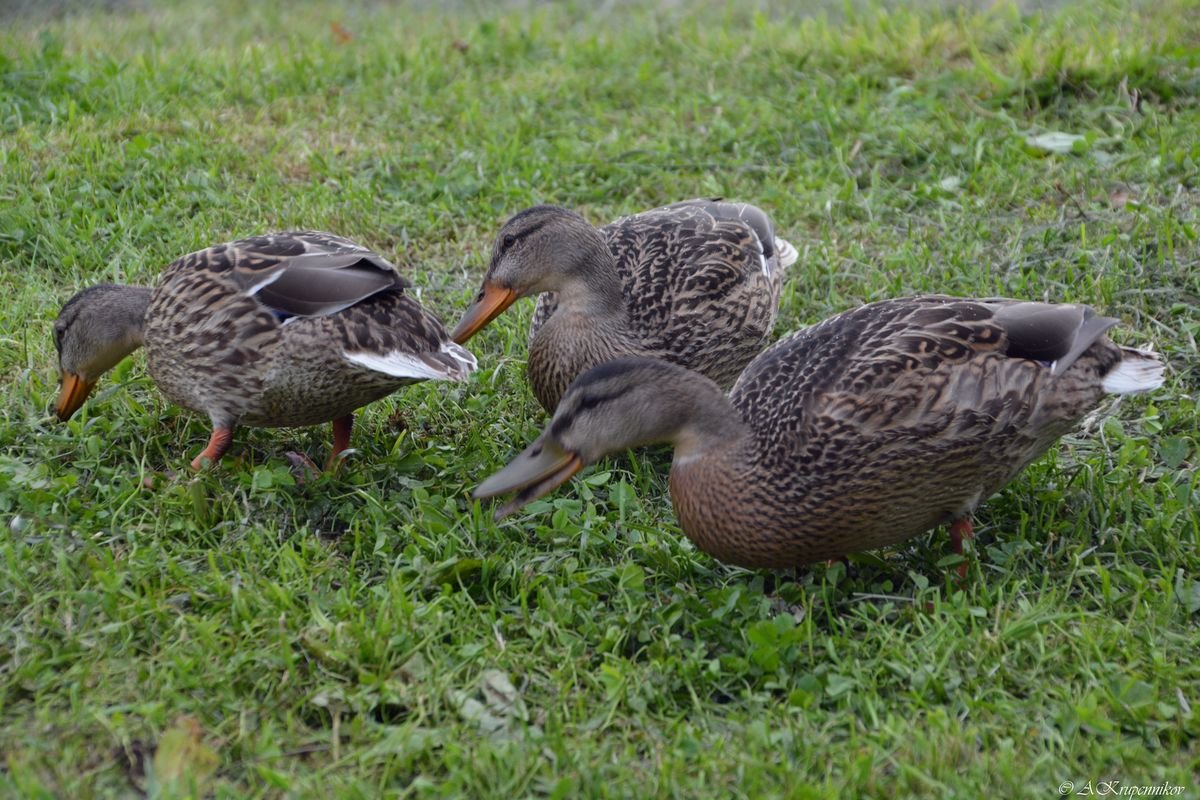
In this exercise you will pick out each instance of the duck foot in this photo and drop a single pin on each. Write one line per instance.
(342, 427)
(218, 443)
(961, 531)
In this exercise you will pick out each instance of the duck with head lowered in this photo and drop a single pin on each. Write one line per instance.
(855, 434)
(695, 283)
(293, 328)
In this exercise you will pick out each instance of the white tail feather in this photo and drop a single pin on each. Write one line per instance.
(1139, 371)
(787, 253)
(410, 365)
(463, 356)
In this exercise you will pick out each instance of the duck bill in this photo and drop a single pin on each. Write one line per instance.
(75, 389)
(542, 468)
(490, 303)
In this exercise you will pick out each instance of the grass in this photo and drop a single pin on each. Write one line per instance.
(235, 634)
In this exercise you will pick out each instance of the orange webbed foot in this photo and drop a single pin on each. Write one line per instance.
(218, 443)
(961, 531)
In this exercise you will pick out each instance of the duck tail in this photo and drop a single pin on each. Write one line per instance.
(461, 361)
(787, 252)
(1137, 371)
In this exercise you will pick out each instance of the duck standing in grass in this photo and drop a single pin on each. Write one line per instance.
(294, 328)
(695, 283)
(857, 433)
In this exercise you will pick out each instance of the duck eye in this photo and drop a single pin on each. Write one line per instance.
(508, 241)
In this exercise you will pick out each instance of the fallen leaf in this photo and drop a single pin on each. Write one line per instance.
(1188, 593)
(950, 184)
(183, 761)
(501, 705)
(501, 696)
(1054, 142)
(475, 712)
(340, 32)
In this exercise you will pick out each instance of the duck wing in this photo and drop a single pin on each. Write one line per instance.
(304, 273)
(929, 368)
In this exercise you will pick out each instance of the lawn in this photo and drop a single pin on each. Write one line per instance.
(374, 632)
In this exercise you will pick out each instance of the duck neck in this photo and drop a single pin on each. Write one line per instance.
(592, 287)
(127, 315)
(131, 313)
(713, 431)
(589, 326)
(112, 320)
(568, 344)
(714, 485)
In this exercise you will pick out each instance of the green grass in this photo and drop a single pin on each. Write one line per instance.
(374, 632)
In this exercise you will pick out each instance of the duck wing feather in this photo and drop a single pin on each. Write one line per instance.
(304, 273)
(927, 368)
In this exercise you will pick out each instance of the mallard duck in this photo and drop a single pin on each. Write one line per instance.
(695, 283)
(293, 328)
(857, 433)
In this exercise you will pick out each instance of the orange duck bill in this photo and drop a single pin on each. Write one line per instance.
(489, 304)
(75, 389)
(539, 470)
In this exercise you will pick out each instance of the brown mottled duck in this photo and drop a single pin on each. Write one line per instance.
(294, 328)
(695, 283)
(857, 433)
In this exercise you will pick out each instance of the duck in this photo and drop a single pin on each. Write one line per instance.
(695, 283)
(855, 434)
(293, 328)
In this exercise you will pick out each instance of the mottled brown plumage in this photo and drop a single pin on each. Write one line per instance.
(695, 283)
(857, 433)
(293, 328)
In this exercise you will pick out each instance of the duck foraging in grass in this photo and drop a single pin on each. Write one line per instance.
(294, 328)
(695, 283)
(857, 433)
